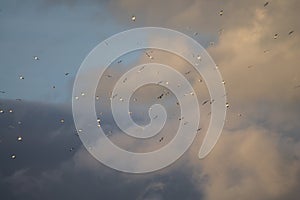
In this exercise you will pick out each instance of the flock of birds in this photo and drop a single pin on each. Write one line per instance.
(133, 18)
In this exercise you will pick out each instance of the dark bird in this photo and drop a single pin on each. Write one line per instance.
(186, 73)
(291, 32)
(161, 139)
(266, 4)
(160, 96)
(205, 102)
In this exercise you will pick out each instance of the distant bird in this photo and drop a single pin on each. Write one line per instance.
(266, 4)
(133, 18)
(119, 61)
(267, 51)
(205, 102)
(149, 56)
(276, 36)
(141, 68)
(186, 73)
(160, 96)
(291, 32)
(161, 139)
(66, 74)
(36, 58)
(221, 12)
(21, 77)
(3, 92)
(109, 76)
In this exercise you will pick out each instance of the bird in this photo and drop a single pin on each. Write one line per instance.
(186, 73)
(66, 74)
(221, 12)
(161, 139)
(149, 56)
(266, 4)
(291, 32)
(160, 96)
(204, 102)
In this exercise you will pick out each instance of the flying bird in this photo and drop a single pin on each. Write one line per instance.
(205, 102)
(266, 4)
(221, 12)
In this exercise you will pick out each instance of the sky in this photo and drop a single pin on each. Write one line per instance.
(256, 47)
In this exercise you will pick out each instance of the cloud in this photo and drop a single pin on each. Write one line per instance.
(252, 163)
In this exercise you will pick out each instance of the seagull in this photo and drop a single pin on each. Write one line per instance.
(291, 32)
(266, 4)
(204, 102)
(161, 139)
(276, 36)
(221, 12)
(66, 74)
(141, 68)
(36, 58)
(149, 56)
(186, 73)
(159, 97)
(133, 18)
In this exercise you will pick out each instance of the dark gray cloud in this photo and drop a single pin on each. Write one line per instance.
(45, 168)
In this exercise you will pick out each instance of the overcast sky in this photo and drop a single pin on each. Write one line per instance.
(256, 48)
